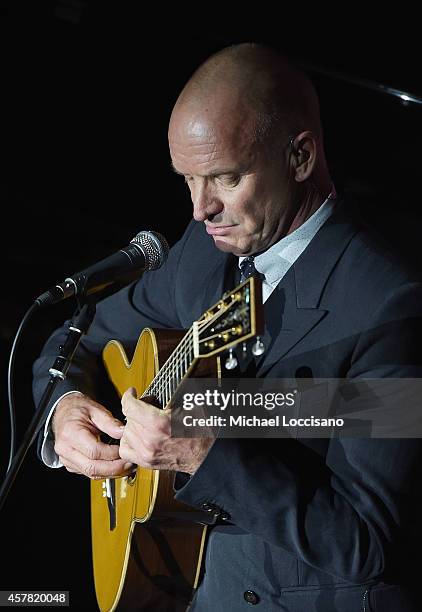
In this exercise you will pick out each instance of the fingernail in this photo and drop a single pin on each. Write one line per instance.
(127, 465)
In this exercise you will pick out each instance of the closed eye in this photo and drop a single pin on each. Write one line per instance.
(229, 180)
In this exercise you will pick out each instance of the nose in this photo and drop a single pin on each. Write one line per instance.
(205, 203)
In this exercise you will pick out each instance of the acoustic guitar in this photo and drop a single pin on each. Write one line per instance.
(147, 547)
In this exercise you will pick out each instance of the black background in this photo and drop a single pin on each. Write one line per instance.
(87, 94)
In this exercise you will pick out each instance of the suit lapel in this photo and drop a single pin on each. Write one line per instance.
(216, 283)
(294, 308)
(286, 324)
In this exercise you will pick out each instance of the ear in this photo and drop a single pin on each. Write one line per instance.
(303, 155)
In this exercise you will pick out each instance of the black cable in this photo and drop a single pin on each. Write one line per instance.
(10, 381)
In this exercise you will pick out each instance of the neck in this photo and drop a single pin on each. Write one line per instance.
(309, 201)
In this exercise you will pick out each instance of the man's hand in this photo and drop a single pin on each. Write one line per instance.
(147, 440)
(77, 424)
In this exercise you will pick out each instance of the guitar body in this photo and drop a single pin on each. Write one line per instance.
(147, 547)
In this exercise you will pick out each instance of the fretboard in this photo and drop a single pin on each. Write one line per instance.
(170, 375)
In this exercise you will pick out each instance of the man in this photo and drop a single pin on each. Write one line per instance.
(312, 524)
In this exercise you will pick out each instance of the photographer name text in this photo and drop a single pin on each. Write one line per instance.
(255, 421)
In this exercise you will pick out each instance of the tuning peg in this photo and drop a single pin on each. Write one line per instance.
(258, 347)
(231, 361)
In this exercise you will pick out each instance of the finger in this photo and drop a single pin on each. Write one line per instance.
(145, 414)
(105, 421)
(96, 469)
(73, 468)
(136, 435)
(127, 397)
(115, 474)
(69, 466)
(87, 442)
(130, 392)
(92, 447)
(128, 454)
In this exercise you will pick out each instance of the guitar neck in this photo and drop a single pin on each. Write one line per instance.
(236, 317)
(171, 374)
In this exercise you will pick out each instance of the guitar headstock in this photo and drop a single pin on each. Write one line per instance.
(237, 317)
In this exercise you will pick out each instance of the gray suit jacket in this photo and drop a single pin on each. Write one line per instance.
(310, 524)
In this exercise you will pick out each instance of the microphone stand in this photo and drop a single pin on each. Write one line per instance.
(79, 326)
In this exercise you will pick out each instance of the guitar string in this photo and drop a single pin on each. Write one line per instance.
(169, 364)
(158, 385)
(162, 382)
(179, 356)
(162, 385)
(175, 362)
(172, 366)
(182, 359)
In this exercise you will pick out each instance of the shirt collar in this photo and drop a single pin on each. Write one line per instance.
(275, 261)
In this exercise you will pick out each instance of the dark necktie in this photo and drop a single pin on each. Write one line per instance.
(247, 268)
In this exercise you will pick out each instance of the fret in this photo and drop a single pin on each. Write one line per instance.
(169, 377)
(227, 322)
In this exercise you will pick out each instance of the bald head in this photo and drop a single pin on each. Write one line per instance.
(229, 136)
(254, 86)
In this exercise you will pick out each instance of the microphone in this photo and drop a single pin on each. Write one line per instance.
(146, 251)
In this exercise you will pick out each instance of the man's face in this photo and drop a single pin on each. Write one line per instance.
(238, 187)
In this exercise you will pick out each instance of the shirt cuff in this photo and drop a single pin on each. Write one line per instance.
(48, 454)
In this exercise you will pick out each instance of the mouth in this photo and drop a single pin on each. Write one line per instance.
(218, 230)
